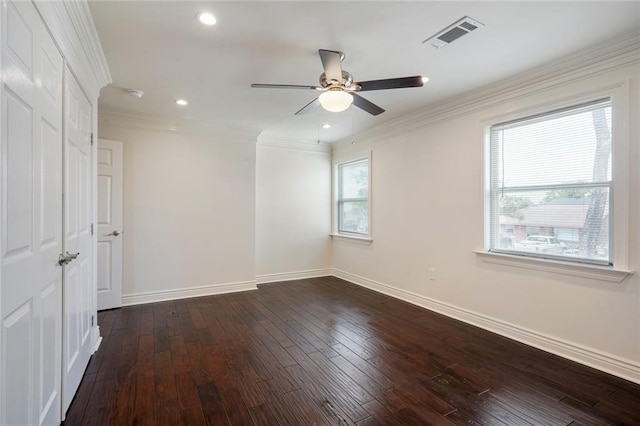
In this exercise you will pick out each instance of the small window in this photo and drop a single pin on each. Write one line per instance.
(353, 198)
(551, 185)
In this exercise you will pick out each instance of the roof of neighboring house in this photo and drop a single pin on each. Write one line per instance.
(550, 215)
(557, 213)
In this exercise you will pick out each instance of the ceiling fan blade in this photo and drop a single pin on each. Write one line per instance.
(308, 107)
(284, 86)
(366, 105)
(331, 64)
(391, 83)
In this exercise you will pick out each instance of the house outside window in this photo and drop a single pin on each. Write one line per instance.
(551, 185)
(353, 198)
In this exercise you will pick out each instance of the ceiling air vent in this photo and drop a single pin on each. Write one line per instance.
(453, 32)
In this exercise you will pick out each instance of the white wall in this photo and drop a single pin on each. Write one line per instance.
(189, 212)
(428, 210)
(293, 212)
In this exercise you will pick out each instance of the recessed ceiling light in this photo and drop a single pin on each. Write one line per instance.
(326, 126)
(181, 102)
(206, 18)
(425, 79)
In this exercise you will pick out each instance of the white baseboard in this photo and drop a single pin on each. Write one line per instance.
(289, 276)
(184, 293)
(96, 337)
(624, 368)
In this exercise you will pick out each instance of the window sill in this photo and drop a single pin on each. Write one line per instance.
(574, 269)
(361, 240)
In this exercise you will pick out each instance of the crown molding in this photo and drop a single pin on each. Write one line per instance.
(293, 144)
(73, 30)
(603, 57)
(201, 128)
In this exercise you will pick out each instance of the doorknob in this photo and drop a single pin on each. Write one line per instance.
(113, 234)
(72, 256)
(63, 259)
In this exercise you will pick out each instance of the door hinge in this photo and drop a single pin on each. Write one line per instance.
(91, 138)
(92, 229)
(91, 320)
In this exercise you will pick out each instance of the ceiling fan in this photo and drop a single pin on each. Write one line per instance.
(339, 88)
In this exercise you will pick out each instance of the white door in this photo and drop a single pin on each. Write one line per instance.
(78, 274)
(31, 235)
(110, 164)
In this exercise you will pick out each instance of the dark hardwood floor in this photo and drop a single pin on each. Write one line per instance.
(324, 351)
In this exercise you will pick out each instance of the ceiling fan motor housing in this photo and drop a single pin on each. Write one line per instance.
(346, 81)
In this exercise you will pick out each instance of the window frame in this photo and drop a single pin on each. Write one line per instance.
(618, 93)
(505, 190)
(338, 200)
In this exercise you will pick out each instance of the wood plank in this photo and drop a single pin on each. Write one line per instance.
(211, 403)
(167, 413)
(76, 411)
(373, 373)
(343, 401)
(164, 377)
(97, 409)
(236, 409)
(144, 407)
(262, 416)
(121, 411)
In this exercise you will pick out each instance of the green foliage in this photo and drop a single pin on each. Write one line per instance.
(573, 193)
(511, 206)
(362, 179)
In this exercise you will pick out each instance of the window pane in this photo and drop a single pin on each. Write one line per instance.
(561, 149)
(572, 222)
(354, 217)
(354, 180)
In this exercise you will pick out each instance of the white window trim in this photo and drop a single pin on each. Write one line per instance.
(368, 238)
(619, 94)
(583, 270)
(353, 238)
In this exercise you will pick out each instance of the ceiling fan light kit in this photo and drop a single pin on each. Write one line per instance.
(335, 100)
(339, 88)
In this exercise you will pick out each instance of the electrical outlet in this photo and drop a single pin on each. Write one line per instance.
(432, 274)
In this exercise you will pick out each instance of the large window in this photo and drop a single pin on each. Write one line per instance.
(353, 198)
(551, 185)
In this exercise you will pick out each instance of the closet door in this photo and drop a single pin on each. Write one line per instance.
(31, 234)
(78, 274)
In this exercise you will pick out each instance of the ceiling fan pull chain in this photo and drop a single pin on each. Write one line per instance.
(318, 125)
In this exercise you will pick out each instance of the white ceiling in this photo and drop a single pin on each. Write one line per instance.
(160, 48)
